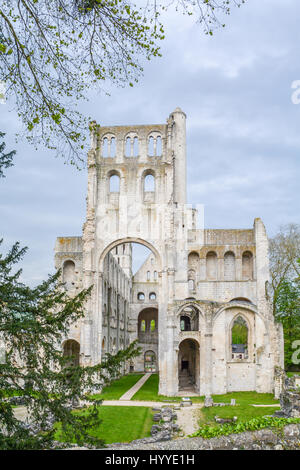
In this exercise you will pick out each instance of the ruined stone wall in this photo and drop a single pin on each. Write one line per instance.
(68, 258)
(265, 439)
(144, 306)
(116, 299)
(137, 193)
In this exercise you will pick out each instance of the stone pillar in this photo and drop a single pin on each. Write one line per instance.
(179, 149)
(208, 363)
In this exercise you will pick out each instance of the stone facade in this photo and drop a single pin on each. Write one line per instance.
(183, 302)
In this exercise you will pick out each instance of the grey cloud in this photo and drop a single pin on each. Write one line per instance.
(243, 131)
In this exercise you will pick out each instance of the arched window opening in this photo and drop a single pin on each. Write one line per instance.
(143, 325)
(112, 147)
(191, 284)
(151, 146)
(247, 265)
(185, 323)
(239, 339)
(141, 296)
(108, 147)
(158, 147)
(193, 261)
(128, 147)
(152, 296)
(148, 275)
(229, 266)
(150, 361)
(135, 147)
(69, 273)
(189, 319)
(105, 147)
(114, 184)
(103, 343)
(149, 183)
(71, 350)
(148, 326)
(155, 275)
(211, 266)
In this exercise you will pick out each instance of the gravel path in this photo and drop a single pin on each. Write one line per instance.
(188, 417)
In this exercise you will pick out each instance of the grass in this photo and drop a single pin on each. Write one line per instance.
(247, 398)
(120, 424)
(243, 409)
(149, 392)
(291, 374)
(244, 412)
(253, 424)
(118, 387)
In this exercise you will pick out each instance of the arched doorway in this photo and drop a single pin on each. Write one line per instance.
(188, 365)
(71, 349)
(150, 361)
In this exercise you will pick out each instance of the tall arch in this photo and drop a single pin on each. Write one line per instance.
(120, 241)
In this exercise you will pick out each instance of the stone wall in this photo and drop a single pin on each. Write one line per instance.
(290, 398)
(287, 438)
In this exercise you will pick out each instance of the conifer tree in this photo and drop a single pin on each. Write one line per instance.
(33, 324)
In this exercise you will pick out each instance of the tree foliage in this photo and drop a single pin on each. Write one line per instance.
(288, 313)
(33, 324)
(284, 253)
(285, 283)
(6, 159)
(239, 332)
(52, 52)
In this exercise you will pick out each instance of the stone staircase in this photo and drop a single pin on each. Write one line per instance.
(185, 380)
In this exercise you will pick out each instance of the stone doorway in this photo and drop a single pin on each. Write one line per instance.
(150, 361)
(188, 366)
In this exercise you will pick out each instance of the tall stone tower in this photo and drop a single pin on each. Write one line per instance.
(137, 193)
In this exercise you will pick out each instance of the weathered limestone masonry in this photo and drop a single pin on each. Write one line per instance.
(194, 289)
(287, 438)
(289, 397)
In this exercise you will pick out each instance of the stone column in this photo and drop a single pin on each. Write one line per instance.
(208, 363)
(179, 148)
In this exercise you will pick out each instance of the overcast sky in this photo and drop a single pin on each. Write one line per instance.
(243, 131)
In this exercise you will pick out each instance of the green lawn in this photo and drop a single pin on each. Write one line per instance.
(121, 424)
(246, 398)
(243, 409)
(291, 374)
(149, 392)
(244, 412)
(118, 387)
